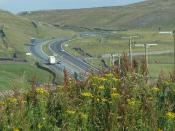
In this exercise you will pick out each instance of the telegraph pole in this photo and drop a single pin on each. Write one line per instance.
(146, 54)
(130, 46)
(146, 46)
(112, 60)
(173, 33)
(130, 49)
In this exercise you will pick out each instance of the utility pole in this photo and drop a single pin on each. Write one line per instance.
(130, 46)
(130, 49)
(173, 34)
(111, 59)
(110, 62)
(146, 54)
(146, 46)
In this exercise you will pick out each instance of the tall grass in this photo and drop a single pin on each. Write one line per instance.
(123, 100)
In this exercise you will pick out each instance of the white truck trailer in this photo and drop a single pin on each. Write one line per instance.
(52, 60)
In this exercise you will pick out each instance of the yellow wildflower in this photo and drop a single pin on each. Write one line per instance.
(170, 115)
(84, 116)
(101, 87)
(115, 79)
(39, 126)
(155, 89)
(160, 129)
(98, 100)
(12, 100)
(16, 129)
(87, 94)
(102, 79)
(131, 102)
(104, 100)
(109, 75)
(113, 89)
(95, 78)
(71, 112)
(41, 91)
(150, 98)
(115, 95)
(2, 103)
(166, 82)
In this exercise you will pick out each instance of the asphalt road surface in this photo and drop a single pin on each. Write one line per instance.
(36, 49)
(57, 48)
(69, 62)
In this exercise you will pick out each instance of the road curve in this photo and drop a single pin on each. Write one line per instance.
(36, 49)
(70, 63)
(57, 48)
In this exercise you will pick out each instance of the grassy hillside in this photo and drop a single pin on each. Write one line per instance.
(150, 13)
(16, 31)
(17, 75)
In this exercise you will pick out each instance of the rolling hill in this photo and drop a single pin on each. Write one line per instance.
(16, 31)
(147, 14)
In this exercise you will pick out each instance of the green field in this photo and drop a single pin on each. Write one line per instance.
(115, 43)
(99, 45)
(17, 75)
(156, 69)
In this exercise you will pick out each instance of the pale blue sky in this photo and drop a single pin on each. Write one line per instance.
(28, 5)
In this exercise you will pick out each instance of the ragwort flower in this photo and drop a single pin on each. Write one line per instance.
(87, 94)
(170, 115)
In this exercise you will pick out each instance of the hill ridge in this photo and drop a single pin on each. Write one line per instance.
(149, 13)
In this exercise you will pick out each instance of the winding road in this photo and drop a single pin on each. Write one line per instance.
(80, 64)
(68, 62)
(36, 49)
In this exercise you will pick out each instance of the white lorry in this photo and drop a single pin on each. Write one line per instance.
(52, 60)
